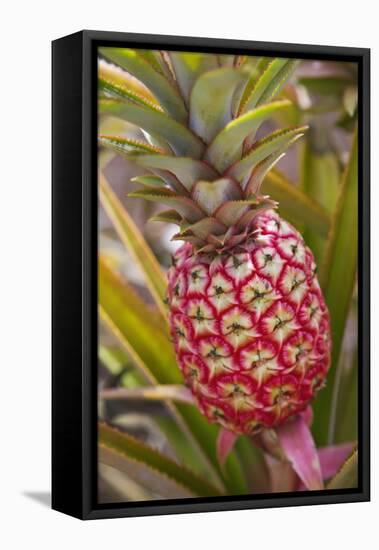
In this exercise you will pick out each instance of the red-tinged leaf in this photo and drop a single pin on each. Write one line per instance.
(297, 443)
(332, 457)
(225, 443)
(307, 415)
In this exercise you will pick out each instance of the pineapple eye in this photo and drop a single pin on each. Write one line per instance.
(199, 315)
(313, 310)
(238, 390)
(235, 327)
(213, 353)
(236, 262)
(258, 352)
(258, 294)
(193, 373)
(279, 322)
(282, 396)
(295, 284)
(300, 352)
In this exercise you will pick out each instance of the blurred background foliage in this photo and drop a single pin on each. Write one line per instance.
(171, 449)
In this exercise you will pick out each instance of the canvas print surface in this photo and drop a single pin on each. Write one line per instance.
(227, 248)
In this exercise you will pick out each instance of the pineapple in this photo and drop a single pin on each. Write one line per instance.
(247, 316)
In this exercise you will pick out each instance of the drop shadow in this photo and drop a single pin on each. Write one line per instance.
(42, 497)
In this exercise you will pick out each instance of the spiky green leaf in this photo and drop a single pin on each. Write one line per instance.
(277, 142)
(260, 171)
(126, 146)
(185, 206)
(149, 181)
(189, 66)
(267, 81)
(110, 89)
(211, 102)
(227, 145)
(113, 74)
(155, 59)
(163, 90)
(231, 212)
(253, 75)
(182, 140)
(185, 169)
(209, 195)
(150, 467)
(202, 229)
(168, 216)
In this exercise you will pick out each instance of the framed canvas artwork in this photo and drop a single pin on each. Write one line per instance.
(210, 274)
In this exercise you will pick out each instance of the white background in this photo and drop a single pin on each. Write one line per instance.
(27, 29)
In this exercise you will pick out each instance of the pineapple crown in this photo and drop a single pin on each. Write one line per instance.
(200, 114)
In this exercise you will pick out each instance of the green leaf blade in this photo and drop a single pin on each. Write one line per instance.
(182, 140)
(189, 66)
(134, 320)
(320, 181)
(265, 84)
(185, 206)
(162, 89)
(347, 477)
(211, 102)
(127, 147)
(136, 244)
(294, 205)
(226, 146)
(337, 277)
(158, 471)
(276, 142)
(186, 170)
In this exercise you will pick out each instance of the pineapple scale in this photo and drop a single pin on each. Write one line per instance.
(251, 329)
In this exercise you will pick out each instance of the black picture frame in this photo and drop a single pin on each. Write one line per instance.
(74, 273)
